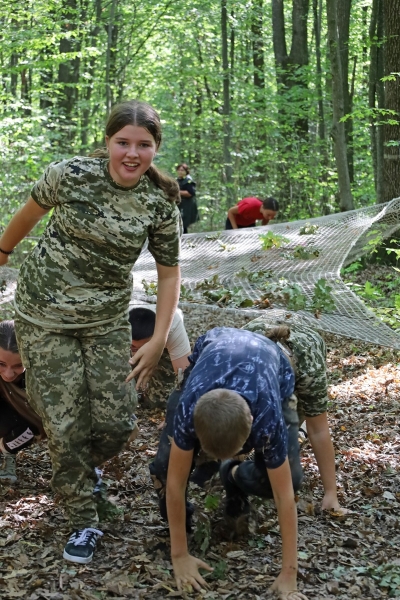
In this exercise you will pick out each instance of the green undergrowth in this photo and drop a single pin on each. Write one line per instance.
(378, 286)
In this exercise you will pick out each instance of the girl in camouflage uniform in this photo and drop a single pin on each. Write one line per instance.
(72, 302)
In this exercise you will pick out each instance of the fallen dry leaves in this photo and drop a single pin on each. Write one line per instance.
(356, 556)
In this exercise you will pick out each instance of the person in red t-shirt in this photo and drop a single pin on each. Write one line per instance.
(249, 210)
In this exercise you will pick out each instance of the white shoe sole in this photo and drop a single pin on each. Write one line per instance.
(77, 559)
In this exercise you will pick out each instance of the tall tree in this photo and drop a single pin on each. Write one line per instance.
(343, 28)
(391, 128)
(226, 109)
(289, 66)
(338, 133)
(376, 94)
(68, 70)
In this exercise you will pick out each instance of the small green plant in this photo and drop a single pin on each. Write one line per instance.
(322, 299)
(150, 288)
(395, 251)
(213, 236)
(186, 293)
(353, 268)
(308, 229)
(202, 533)
(374, 240)
(284, 292)
(306, 253)
(209, 284)
(219, 570)
(272, 240)
(211, 502)
(294, 297)
(228, 297)
(225, 247)
(259, 277)
(370, 292)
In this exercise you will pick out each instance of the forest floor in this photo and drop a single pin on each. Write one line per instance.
(353, 557)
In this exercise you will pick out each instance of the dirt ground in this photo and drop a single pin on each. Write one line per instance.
(355, 557)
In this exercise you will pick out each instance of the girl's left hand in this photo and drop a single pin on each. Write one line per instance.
(144, 362)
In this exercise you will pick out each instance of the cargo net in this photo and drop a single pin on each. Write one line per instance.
(230, 271)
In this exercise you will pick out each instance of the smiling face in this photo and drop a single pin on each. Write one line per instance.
(131, 150)
(11, 367)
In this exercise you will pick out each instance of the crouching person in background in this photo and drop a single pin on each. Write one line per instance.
(236, 397)
(19, 424)
(174, 358)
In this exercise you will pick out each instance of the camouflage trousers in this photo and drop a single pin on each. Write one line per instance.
(75, 381)
(161, 384)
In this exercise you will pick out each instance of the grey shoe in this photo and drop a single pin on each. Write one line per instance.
(8, 472)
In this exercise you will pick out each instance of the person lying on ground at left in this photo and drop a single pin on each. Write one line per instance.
(237, 396)
(19, 424)
(308, 350)
(174, 359)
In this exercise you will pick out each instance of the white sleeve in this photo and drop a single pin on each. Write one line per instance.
(178, 344)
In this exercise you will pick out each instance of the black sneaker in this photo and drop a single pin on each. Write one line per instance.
(203, 473)
(236, 502)
(81, 545)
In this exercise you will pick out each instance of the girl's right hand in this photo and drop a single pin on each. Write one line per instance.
(144, 361)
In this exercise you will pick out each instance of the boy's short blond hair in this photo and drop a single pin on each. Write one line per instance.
(222, 421)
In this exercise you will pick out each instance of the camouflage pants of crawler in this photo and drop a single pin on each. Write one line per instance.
(75, 380)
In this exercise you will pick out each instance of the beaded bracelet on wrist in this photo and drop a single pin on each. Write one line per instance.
(5, 251)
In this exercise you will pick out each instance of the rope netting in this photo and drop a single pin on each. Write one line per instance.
(227, 259)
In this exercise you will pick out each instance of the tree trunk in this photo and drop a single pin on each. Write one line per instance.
(68, 71)
(226, 109)
(93, 40)
(318, 83)
(338, 134)
(298, 56)
(376, 96)
(391, 131)
(258, 46)
(287, 65)
(343, 28)
(109, 58)
(14, 74)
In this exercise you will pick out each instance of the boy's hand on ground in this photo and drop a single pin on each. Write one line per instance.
(285, 586)
(331, 503)
(144, 362)
(186, 571)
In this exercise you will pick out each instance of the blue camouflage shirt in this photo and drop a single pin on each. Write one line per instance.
(250, 365)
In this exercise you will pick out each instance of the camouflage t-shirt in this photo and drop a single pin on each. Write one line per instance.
(309, 351)
(79, 274)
